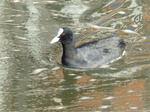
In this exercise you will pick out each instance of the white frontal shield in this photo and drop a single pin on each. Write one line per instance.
(56, 38)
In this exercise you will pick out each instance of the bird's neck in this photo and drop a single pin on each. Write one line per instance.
(69, 50)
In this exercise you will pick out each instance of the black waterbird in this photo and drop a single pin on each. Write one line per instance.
(89, 55)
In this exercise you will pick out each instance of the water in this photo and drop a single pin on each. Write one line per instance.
(31, 78)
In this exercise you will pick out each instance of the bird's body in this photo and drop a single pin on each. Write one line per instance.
(90, 55)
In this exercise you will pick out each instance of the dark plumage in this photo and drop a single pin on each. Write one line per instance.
(91, 54)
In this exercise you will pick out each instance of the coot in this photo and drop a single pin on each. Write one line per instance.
(89, 55)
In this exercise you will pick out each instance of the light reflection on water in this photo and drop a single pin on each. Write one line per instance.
(31, 79)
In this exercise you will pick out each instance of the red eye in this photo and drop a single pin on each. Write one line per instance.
(63, 34)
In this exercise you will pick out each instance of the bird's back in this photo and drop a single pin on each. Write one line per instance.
(101, 51)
